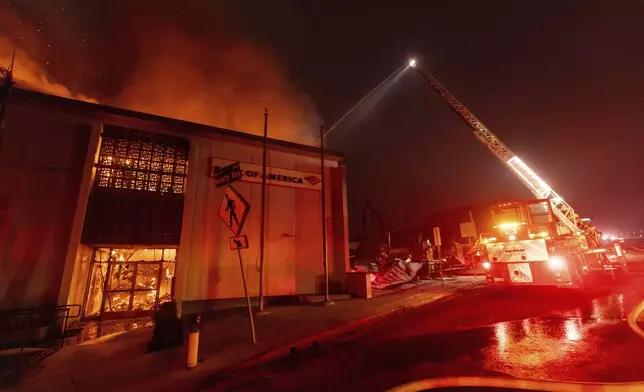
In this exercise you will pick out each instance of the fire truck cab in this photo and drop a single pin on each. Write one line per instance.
(529, 247)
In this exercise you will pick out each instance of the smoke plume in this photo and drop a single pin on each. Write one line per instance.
(29, 75)
(192, 63)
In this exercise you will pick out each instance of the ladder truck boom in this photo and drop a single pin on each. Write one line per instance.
(564, 212)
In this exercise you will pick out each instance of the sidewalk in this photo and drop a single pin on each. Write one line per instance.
(120, 362)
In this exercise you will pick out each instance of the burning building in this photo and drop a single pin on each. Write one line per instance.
(117, 211)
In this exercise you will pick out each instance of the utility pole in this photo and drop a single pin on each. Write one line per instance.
(262, 235)
(325, 258)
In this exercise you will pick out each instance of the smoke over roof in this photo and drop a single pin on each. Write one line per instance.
(188, 60)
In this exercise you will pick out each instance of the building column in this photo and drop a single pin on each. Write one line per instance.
(339, 233)
(77, 260)
(197, 176)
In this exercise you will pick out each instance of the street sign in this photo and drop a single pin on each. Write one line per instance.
(468, 230)
(239, 242)
(233, 210)
(228, 174)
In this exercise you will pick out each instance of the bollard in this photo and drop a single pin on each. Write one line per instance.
(193, 341)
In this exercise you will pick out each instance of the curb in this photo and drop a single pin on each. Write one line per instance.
(632, 319)
(499, 382)
(286, 349)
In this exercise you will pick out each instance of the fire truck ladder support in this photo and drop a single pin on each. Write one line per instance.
(566, 214)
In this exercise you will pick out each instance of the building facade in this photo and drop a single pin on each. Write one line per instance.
(118, 211)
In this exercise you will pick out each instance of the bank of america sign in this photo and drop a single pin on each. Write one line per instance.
(275, 176)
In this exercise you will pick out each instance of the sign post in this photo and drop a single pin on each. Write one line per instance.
(250, 309)
(233, 211)
(325, 258)
(437, 241)
(262, 228)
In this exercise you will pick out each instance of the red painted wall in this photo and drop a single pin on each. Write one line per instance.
(41, 164)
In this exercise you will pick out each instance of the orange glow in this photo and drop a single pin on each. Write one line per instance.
(231, 95)
(28, 74)
(509, 225)
(226, 81)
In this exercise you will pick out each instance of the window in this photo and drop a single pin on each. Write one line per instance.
(130, 281)
(540, 213)
(508, 215)
(141, 161)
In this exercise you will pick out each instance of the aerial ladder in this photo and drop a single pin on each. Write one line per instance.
(569, 221)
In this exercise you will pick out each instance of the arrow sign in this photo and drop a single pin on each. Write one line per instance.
(239, 242)
(233, 210)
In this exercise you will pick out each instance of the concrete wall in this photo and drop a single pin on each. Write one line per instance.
(41, 169)
(208, 269)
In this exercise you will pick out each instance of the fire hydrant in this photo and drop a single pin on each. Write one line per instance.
(193, 340)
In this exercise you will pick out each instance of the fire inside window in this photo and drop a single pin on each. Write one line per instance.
(141, 161)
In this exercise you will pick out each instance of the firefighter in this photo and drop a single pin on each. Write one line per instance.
(429, 250)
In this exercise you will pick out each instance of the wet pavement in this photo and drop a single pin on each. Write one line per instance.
(528, 333)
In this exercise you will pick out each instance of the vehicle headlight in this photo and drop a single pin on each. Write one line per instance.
(556, 263)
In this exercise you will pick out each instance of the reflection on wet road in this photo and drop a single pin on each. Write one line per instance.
(588, 343)
(545, 334)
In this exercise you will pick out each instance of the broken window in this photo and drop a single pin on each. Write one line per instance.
(130, 281)
(142, 161)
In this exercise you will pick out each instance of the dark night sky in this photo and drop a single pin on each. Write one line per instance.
(559, 81)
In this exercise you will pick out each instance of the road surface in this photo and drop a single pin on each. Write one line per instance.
(530, 333)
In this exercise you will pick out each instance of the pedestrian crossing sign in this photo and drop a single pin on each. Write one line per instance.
(233, 210)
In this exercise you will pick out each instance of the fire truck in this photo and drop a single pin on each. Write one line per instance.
(529, 247)
(535, 242)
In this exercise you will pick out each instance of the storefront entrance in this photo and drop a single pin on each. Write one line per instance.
(129, 282)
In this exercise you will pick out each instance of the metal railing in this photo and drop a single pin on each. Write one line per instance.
(26, 327)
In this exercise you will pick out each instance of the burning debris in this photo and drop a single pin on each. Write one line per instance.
(397, 273)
